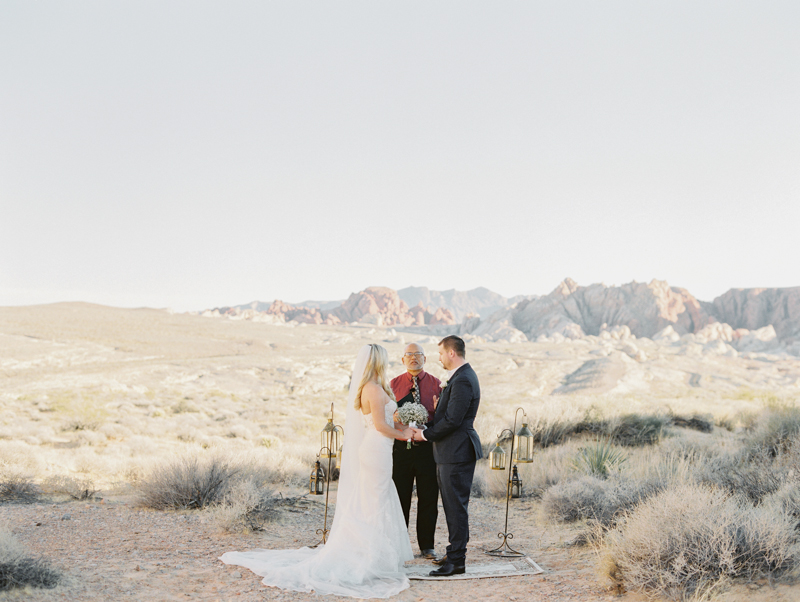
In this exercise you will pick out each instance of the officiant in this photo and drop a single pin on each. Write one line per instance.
(417, 463)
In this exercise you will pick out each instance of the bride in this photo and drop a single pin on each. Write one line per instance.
(368, 542)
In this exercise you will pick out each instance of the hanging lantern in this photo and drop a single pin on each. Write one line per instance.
(524, 442)
(515, 484)
(330, 440)
(497, 457)
(316, 484)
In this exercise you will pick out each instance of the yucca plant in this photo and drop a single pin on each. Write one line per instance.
(599, 459)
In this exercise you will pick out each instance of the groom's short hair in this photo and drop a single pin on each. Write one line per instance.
(454, 343)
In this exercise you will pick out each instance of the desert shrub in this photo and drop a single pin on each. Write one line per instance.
(19, 570)
(689, 539)
(489, 483)
(575, 499)
(775, 432)
(250, 505)
(18, 489)
(786, 500)
(754, 477)
(633, 430)
(547, 434)
(696, 422)
(188, 483)
(598, 459)
(601, 501)
(549, 467)
(78, 488)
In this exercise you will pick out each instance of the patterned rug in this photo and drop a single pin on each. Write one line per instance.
(507, 568)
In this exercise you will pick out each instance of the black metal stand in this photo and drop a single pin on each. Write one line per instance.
(331, 454)
(504, 550)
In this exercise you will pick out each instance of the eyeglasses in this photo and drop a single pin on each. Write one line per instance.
(409, 355)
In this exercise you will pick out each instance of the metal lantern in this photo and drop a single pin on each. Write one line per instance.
(497, 457)
(515, 484)
(316, 484)
(331, 439)
(524, 442)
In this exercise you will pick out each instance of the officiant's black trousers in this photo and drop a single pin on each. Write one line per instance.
(408, 465)
(455, 483)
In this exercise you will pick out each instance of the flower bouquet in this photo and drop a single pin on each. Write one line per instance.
(412, 414)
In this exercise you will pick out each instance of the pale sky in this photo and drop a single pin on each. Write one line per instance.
(194, 154)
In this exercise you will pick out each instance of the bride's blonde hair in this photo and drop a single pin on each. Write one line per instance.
(375, 370)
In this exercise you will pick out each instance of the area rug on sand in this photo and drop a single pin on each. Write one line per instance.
(509, 568)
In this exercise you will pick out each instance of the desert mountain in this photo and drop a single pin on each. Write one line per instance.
(480, 301)
(754, 320)
(377, 305)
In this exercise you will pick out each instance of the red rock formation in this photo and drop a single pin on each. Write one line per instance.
(381, 305)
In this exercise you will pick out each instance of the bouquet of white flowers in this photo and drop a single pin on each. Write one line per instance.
(413, 414)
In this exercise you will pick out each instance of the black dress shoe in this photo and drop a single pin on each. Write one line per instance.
(429, 554)
(440, 561)
(448, 569)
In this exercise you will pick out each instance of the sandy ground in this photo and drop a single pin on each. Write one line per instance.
(115, 550)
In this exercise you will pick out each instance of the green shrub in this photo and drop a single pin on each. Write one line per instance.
(598, 459)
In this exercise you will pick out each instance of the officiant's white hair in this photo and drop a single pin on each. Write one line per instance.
(375, 370)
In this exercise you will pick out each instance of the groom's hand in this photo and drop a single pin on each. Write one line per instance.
(418, 435)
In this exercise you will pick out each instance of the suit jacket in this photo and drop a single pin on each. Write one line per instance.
(452, 432)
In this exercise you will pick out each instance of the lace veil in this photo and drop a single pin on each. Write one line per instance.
(347, 494)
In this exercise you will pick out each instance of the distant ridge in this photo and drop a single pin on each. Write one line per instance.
(751, 319)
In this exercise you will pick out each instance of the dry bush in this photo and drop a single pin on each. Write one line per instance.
(549, 467)
(18, 570)
(188, 483)
(489, 483)
(695, 422)
(786, 500)
(247, 505)
(634, 430)
(78, 488)
(250, 505)
(753, 476)
(602, 501)
(689, 539)
(775, 431)
(16, 488)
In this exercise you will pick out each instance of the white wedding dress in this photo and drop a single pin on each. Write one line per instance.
(368, 542)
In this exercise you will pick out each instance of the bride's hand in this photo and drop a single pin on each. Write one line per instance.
(408, 433)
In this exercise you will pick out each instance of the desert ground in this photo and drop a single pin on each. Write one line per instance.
(94, 399)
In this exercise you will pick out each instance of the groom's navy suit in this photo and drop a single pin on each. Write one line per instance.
(456, 447)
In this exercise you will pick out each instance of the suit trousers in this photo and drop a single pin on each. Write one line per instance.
(408, 465)
(455, 483)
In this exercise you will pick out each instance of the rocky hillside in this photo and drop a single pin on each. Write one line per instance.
(478, 301)
(377, 305)
(740, 320)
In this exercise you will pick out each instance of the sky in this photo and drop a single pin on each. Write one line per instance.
(195, 154)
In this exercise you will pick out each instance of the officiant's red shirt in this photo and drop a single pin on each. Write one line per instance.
(429, 386)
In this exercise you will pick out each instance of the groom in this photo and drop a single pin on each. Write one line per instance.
(456, 447)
